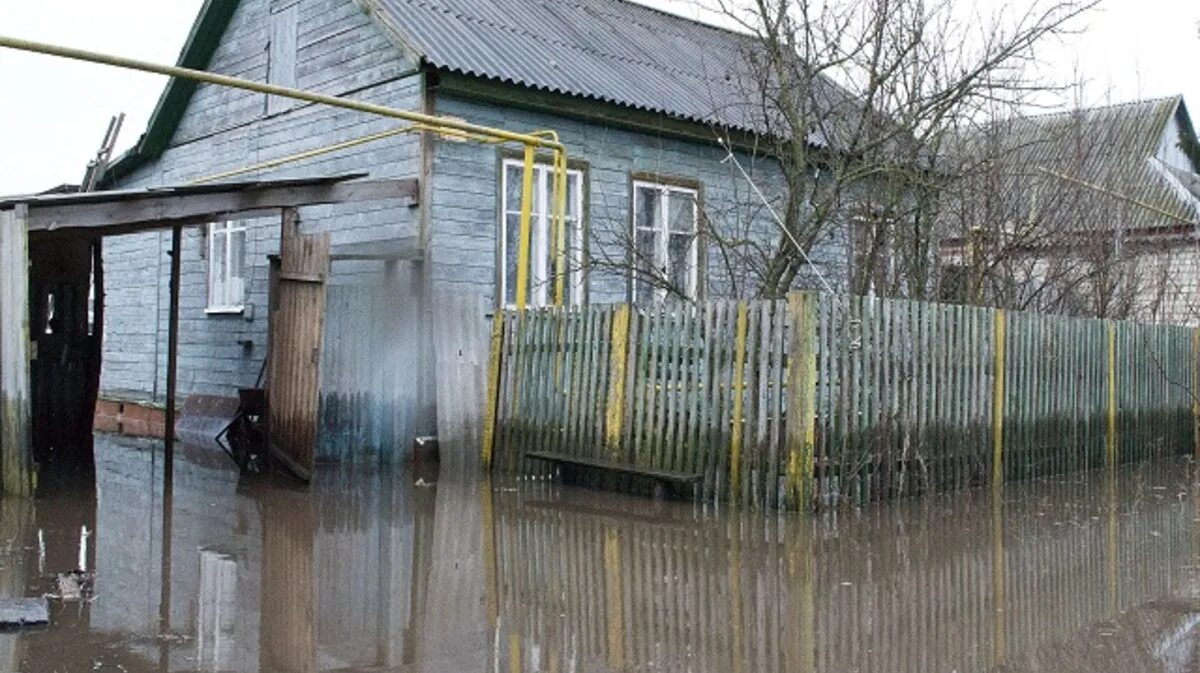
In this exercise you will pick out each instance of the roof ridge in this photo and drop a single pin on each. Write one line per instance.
(670, 15)
(1095, 108)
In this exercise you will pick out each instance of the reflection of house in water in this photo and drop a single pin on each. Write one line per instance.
(368, 572)
(269, 578)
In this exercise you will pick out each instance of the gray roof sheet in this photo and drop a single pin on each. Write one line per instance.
(608, 50)
(1111, 148)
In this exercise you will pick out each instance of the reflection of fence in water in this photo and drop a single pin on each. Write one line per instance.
(959, 591)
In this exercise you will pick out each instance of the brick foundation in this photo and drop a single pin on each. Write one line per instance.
(129, 418)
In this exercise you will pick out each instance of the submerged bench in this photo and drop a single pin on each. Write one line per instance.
(664, 480)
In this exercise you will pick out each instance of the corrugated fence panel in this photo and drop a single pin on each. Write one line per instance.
(369, 368)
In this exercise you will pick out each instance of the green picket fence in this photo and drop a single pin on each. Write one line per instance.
(889, 397)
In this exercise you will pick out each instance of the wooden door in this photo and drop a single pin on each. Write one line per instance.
(297, 323)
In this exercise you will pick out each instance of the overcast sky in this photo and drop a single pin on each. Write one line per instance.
(54, 112)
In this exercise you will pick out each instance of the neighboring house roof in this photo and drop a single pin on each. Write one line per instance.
(611, 51)
(1109, 155)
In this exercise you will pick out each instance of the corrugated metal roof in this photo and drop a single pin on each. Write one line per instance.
(608, 50)
(1045, 161)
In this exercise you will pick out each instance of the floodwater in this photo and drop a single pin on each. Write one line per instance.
(403, 572)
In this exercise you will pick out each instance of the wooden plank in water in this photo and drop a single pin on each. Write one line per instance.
(19, 612)
(673, 476)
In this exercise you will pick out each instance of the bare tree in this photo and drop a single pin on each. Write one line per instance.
(858, 101)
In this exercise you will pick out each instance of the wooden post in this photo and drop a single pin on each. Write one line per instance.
(15, 398)
(1111, 434)
(802, 397)
(738, 384)
(998, 393)
(614, 415)
(493, 390)
(1195, 392)
(172, 355)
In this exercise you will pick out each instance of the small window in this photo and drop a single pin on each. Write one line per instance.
(665, 219)
(226, 267)
(541, 260)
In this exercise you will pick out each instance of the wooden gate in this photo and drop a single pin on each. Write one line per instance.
(297, 320)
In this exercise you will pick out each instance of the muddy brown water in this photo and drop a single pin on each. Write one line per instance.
(392, 571)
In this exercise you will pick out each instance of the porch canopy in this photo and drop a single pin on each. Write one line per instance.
(88, 216)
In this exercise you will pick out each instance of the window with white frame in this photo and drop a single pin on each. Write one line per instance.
(665, 219)
(226, 266)
(541, 259)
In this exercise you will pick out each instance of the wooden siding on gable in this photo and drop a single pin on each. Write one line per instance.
(281, 56)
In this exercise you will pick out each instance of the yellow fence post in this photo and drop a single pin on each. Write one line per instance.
(618, 356)
(493, 390)
(802, 397)
(739, 384)
(998, 393)
(1111, 435)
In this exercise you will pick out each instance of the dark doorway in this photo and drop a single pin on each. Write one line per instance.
(65, 326)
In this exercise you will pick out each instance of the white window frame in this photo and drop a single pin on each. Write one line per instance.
(663, 233)
(228, 303)
(539, 290)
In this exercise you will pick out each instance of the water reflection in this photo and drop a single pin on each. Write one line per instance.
(370, 571)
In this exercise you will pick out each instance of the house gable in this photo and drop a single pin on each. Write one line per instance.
(1179, 147)
(325, 54)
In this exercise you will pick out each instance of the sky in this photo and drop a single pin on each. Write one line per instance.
(53, 113)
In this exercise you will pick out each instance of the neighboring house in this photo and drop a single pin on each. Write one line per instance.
(637, 96)
(1090, 212)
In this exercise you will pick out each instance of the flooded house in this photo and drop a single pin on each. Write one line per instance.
(644, 101)
(1090, 212)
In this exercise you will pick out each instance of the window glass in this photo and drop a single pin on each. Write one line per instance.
(226, 266)
(665, 251)
(542, 258)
